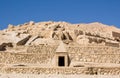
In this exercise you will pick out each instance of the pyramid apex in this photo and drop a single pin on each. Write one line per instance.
(61, 47)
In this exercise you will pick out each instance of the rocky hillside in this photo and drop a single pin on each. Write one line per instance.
(32, 33)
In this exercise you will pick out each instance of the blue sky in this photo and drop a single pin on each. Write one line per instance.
(73, 11)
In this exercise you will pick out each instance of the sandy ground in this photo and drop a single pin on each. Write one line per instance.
(56, 76)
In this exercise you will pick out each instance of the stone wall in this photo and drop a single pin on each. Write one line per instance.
(22, 58)
(43, 49)
(112, 44)
(37, 70)
(43, 54)
(40, 54)
(98, 54)
(88, 71)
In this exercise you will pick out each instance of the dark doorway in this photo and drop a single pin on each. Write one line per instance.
(61, 61)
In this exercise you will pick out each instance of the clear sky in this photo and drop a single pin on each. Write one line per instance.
(73, 11)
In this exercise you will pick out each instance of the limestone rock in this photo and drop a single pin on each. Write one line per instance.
(32, 39)
(4, 45)
(23, 41)
(10, 26)
(40, 41)
(53, 26)
(61, 35)
(94, 32)
(82, 40)
(31, 23)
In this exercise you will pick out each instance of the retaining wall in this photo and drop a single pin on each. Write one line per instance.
(88, 71)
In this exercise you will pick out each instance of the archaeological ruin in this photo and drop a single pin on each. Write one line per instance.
(60, 48)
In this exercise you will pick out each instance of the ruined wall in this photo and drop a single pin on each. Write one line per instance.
(42, 49)
(112, 44)
(88, 71)
(97, 54)
(43, 54)
(22, 58)
(91, 53)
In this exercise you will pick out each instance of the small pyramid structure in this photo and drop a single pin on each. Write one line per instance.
(61, 47)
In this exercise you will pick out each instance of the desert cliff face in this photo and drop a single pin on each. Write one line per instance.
(47, 32)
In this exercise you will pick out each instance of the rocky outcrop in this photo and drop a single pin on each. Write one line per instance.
(81, 33)
(61, 35)
(23, 40)
(31, 40)
(4, 45)
(42, 41)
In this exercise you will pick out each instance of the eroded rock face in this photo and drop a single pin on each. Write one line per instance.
(4, 45)
(30, 32)
(61, 35)
(23, 40)
(82, 40)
